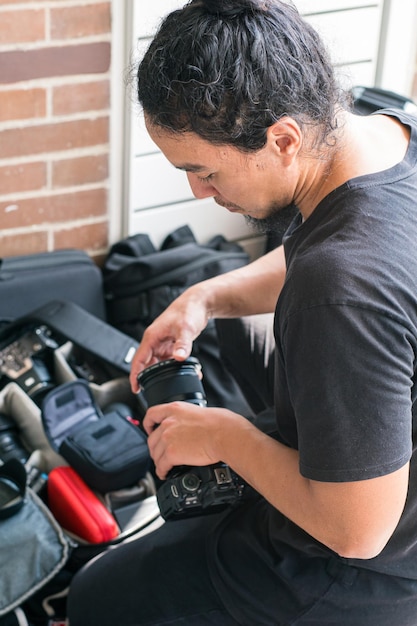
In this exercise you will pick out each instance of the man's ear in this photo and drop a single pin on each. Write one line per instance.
(285, 137)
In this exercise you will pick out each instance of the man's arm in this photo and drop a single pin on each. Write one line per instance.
(248, 290)
(354, 519)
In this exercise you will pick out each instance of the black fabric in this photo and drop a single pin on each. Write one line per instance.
(109, 454)
(158, 579)
(140, 282)
(366, 100)
(247, 348)
(163, 579)
(12, 619)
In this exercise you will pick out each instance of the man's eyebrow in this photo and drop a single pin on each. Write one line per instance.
(190, 167)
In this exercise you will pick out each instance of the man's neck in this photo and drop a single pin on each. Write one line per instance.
(364, 145)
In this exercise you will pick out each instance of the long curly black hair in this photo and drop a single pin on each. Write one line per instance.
(228, 69)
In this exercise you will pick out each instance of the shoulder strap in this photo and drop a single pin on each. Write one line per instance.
(84, 330)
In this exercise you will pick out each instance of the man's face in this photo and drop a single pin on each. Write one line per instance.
(257, 185)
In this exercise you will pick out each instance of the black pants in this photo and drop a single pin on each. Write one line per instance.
(164, 578)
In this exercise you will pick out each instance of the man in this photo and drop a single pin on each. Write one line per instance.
(240, 95)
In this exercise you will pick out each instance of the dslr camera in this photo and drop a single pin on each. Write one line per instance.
(26, 361)
(187, 491)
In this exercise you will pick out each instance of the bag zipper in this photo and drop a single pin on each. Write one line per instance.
(43, 260)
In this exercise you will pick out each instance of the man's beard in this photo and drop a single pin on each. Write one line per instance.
(276, 223)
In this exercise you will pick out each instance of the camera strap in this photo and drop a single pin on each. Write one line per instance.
(12, 488)
(85, 330)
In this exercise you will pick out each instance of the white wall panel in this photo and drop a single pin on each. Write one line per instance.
(141, 143)
(148, 14)
(336, 29)
(204, 217)
(157, 182)
(327, 6)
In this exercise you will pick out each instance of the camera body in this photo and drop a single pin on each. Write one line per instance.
(188, 491)
(25, 361)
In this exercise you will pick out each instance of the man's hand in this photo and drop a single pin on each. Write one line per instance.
(171, 335)
(181, 433)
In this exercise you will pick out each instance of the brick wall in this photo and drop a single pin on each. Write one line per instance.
(54, 125)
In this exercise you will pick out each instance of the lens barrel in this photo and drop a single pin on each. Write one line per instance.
(10, 445)
(172, 380)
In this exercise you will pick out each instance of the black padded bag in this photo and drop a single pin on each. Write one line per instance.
(30, 281)
(106, 450)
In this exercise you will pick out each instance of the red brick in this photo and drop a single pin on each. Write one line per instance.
(80, 21)
(23, 177)
(67, 99)
(22, 26)
(79, 171)
(18, 65)
(53, 209)
(86, 237)
(53, 137)
(18, 1)
(23, 243)
(22, 104)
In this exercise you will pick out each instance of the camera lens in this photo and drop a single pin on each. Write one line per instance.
(10, 446)
(190, 482)
(173, 380)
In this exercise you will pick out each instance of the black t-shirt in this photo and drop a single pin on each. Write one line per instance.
(346, 346)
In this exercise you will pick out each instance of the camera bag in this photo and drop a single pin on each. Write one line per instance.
(77, 508)
(29, 281)
(34, 547)
(107, 450)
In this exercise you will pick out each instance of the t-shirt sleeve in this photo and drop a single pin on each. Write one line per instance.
(349, 374)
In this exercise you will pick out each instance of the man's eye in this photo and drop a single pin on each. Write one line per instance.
(205, 179)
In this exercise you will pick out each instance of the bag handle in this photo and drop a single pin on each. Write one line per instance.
(135, 246)
(179, 237)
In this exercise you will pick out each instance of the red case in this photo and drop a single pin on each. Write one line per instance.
(77, 508)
